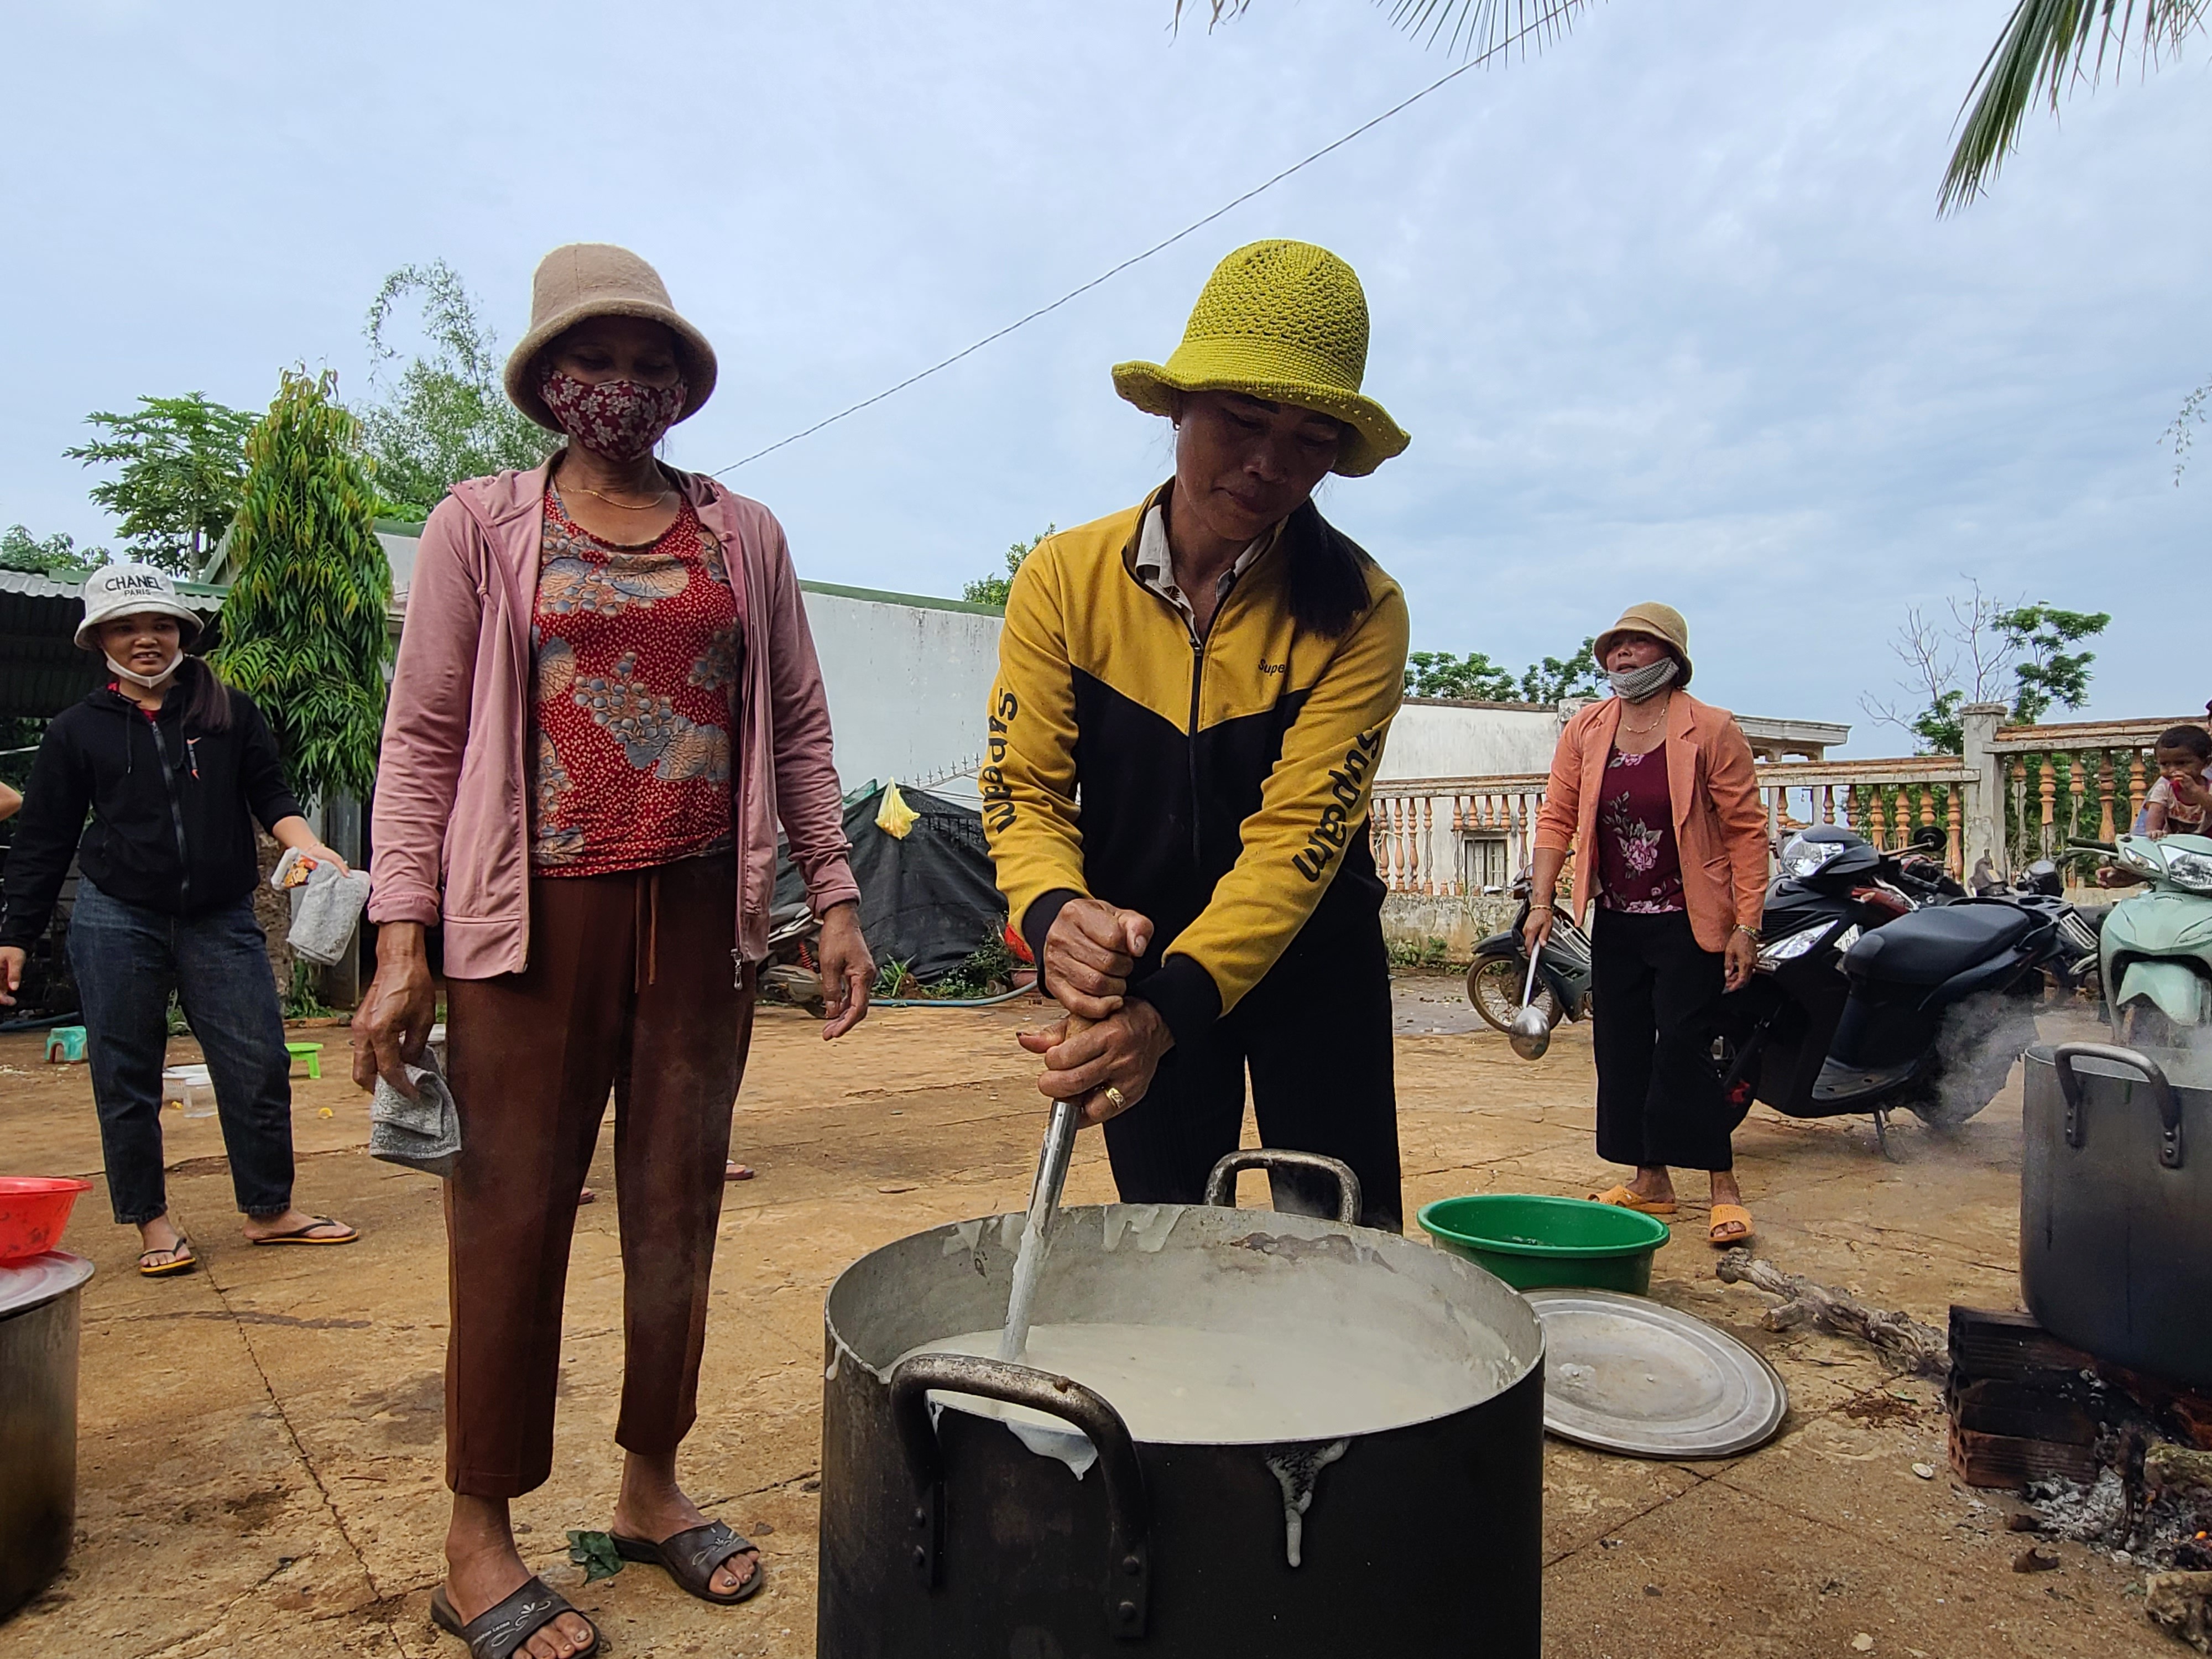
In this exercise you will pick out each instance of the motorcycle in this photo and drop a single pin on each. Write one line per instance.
(1500, 970)
(2155, 948)
(1881, 984)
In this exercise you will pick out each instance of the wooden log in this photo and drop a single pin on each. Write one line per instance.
(1902, 1339)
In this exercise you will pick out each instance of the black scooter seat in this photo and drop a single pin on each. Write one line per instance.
(1930, 947)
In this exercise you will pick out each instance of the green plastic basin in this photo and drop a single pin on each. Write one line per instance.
(1532, 1242)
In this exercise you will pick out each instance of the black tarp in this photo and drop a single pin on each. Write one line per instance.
(928, 900)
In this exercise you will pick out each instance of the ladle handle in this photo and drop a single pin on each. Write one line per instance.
(1128, 1517)
(1221, 1181)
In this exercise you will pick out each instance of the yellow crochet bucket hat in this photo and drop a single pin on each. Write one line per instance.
(1285, 321)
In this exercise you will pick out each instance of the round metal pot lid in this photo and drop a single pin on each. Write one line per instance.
(1626, 1374)
(38, 1280)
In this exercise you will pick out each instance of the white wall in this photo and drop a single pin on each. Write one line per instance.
(1435, 739)
(907, 680)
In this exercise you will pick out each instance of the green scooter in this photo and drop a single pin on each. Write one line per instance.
(2154, 949)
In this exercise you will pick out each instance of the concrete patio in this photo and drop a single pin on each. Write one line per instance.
(260, 1461)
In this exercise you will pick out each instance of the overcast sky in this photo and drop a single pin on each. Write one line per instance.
(1667, 308)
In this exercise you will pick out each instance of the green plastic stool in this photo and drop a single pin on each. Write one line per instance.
(310, 1052)
(66, 1042)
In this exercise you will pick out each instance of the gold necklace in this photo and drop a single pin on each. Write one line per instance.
(624, 505)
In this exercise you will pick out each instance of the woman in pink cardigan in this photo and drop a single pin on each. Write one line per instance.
(606, 698)
(1654, 793)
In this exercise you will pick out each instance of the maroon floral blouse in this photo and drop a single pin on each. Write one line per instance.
(636, 653)
(1639, 868)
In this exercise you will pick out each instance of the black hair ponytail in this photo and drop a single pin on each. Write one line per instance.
(207, 704)
(1326, 575)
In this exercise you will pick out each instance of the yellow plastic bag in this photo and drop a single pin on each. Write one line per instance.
(896, 817)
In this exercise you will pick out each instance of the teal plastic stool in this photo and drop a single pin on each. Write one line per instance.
(66, 1042)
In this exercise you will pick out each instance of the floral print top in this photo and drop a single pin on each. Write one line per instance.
(1639, 868)
(636, 653)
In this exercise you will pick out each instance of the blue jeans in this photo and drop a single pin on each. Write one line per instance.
(128, 960)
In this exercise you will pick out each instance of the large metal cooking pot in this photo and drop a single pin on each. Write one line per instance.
(2116, 1205)
(945, 1531)
(38, 1420)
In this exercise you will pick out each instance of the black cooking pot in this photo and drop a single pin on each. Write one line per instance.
(2115, 1206)
(944, 1533)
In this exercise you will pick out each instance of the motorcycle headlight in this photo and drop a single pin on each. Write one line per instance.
(2141, 855)
(1790, 947)
(2190, 869)
(1800, 858)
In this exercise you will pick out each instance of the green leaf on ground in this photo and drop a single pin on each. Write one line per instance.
(595, 1552)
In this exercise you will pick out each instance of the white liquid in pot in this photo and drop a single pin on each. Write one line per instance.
(1177, 1383)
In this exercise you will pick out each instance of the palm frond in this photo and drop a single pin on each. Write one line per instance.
(2047, 47)
(1470, 28)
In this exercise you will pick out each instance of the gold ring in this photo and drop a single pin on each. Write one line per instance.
(1115, 1099)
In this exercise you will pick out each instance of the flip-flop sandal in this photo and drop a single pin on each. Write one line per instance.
(691, 1557)
(181, 1260)
(1622, 1198)
(499, 1632)
(1722, 1215)
(734, 1170)
(304, 1235)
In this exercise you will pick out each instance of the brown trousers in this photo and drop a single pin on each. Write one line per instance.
(629, 986)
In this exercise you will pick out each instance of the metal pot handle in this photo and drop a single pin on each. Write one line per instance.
(2069, 1086)
(1221, 1181)
(1128, 1549)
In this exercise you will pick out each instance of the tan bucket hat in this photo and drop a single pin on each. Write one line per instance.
(597, 279)
(1654, 620)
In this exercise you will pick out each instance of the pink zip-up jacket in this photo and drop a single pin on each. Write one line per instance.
(451, 823)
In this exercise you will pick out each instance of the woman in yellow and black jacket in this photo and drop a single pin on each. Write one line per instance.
(1192, 701)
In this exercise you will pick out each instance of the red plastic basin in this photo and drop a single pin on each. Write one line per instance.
(33, 1210)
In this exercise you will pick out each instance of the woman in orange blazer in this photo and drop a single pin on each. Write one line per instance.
(1653, 792)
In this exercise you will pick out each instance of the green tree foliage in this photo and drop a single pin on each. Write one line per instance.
(1473, 678)
(55, 555)
(994, 590)
(303, 629)
(1553, 681)
(2047, 46)
(447, 417)
(184, 466)
(2046, 671)
(1987, 652)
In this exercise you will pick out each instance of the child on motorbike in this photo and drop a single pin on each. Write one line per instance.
(2177, 802)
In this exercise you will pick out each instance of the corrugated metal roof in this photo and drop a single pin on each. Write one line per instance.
(41, 669)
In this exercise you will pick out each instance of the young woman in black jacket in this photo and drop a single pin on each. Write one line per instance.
(174, 767)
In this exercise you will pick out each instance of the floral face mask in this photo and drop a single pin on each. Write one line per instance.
(618, 419)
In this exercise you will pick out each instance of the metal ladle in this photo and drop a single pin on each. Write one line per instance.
(1530, 1034)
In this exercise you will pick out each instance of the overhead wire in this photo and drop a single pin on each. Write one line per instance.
(1548, 22)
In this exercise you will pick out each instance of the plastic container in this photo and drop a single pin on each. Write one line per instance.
(33, 1210)
(1533, 1242)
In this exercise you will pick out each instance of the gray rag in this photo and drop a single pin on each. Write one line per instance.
(423, 1133)
(329, 909)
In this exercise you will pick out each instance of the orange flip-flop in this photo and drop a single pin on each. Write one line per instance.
(1623, 1198)
(1723, 1215)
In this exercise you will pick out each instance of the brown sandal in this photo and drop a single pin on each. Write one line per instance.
(691, 1557)
(1728, 1215)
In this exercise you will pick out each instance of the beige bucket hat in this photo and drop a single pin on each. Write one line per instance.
(597, 279)
(1654, 620)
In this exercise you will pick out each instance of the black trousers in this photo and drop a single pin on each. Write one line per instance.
(1314, 1034)
(1657, 991)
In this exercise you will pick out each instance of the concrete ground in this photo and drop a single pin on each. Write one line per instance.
(260, 1462)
